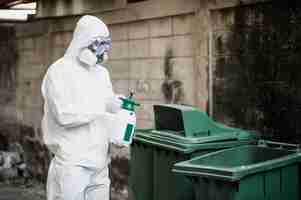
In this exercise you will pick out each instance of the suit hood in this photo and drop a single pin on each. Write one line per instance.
(87, 29)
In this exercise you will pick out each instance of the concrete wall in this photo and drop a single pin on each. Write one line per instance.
(8, 85)
(22, 68)
(33, 59)
(160, 50)
(59, 8)
(167, 51)
(117, 10)
(8, 74)
(255, 53)
(141, 56)
(138, 61)
(164, 50)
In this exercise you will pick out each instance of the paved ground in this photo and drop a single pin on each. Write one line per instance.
(33, 191)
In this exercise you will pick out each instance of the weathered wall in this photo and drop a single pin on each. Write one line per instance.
(20, 103)
(154, 53)
(59, 8)
(33, 60)
(155, 58)
(117, 11)
(8, 85)
(167, 52)
(256, 59)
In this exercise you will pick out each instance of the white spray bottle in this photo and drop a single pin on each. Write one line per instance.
(126, 122)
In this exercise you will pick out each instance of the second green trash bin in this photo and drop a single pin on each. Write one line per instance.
(245, 173)
(181, 133)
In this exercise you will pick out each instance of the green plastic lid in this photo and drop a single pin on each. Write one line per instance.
(236, 163)
(173, 142)
(187, 121)
(187, 129)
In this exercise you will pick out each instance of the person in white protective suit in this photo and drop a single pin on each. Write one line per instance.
(79, 103)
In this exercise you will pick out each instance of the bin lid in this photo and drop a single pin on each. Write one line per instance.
(172, 137)
(187, 129)
(187, 121)
(174, 142)
(235, 163)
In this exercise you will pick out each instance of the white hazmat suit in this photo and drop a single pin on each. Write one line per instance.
(76, 93)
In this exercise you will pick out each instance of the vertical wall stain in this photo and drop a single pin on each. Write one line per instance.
(8, 59)
(171, 88)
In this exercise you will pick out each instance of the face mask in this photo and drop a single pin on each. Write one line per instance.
(105, 58)
(96, 52)
(87, 57)
(100, 47)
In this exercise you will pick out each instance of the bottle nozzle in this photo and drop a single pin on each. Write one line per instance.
(131, 94)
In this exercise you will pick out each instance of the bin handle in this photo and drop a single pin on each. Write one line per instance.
(281, 145)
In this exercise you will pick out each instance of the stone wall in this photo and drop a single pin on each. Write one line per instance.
(156, 57)
(71, 7)
(256, 59)
(33, 60)
(184, 52)
(8, 82)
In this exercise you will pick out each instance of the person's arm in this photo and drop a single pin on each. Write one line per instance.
(113, 105)
(113, 102)
(67, 111)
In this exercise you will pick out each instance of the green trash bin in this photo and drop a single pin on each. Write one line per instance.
(181, 133)
(249, 172)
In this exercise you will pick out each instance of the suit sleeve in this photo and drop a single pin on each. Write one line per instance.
(67, 112)
(113, 103)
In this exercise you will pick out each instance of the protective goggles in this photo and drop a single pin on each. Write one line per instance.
(100, 45)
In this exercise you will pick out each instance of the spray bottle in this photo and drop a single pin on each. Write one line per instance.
(126, 121)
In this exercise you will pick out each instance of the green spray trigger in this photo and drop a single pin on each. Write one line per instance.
(129, 103)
